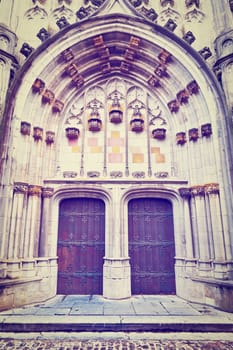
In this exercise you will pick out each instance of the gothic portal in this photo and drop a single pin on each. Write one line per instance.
(116, 153)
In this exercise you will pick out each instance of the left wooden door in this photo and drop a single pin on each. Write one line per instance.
(81, 246)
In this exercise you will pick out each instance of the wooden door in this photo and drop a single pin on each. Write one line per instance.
(81, 246)
(151, 246)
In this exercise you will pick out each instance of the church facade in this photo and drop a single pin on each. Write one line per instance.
(116, 149)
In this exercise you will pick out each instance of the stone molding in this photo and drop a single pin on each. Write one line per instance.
(20, 187)
(199, 190)
(47, 192)
(34, 190)
(212, 188)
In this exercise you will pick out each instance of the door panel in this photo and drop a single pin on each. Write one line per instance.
(151, 246)
(81, 246)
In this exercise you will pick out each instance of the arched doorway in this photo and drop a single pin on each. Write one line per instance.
(81, 236)
(151, 246)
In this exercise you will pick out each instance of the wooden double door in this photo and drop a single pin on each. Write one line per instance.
(81, 246)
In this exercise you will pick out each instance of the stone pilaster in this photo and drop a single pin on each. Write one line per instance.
(116, 280)
(16, 237)
(190, 260)
(45, 234)
(212, 193)
(198, 194)
(31, 242)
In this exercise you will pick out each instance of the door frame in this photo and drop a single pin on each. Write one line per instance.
(172, 196)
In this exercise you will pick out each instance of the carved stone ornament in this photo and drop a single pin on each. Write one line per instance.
(43, 34)
(20, 187)
(78, 80)
(173, 106)
(134, 41)
(161, 174)
(50, 136)
(167, 2)
(72, 133)
(181, 138)
(153, 81)
(34, 190)
(206, 130)
(212, 188)
(205, 53)
(93, 173)
(62, 22)
(38, 86)
(183, 96)
(26, 50)
(25, 128)
(193, 134)
(67, 55)
(138, 174)
(137, 124)
(193, 87)
(71, 69)
(115, 115)
(70, 174)
(164, 56)
(47, 96)
(170, 25)
(198, 191)
(185, 192)
(37, 133)
(47, 192)
(94, 124)
(161, 71)
(116, 174)
(190, 3)
(149, 13)
(189, 37)
(57, 106)
(159, 133)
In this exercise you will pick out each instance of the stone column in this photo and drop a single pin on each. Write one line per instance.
(220, 266)
(46, 223)
(189, 254)
(32, 222)
(16, 235)
(116, 281)
(198, 193)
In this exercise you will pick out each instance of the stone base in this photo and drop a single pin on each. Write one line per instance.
(208, 291)
(30, 281)
(116, 281)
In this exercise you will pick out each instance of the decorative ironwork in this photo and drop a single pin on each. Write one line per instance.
(72, 133)
(206, 130)
(193, 134)
(50, 136)
(37, 133)
(159, 133)
(38, 86)
(181, 138)
(25, 128)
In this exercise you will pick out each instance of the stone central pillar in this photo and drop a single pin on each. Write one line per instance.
(116, 281)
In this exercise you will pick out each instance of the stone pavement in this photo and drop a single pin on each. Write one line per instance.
(91, 322)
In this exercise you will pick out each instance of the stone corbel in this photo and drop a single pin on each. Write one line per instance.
(20, 187)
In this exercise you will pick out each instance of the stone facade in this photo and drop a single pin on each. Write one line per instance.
(116, 100)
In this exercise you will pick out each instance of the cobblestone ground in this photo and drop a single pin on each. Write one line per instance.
(113, 345)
